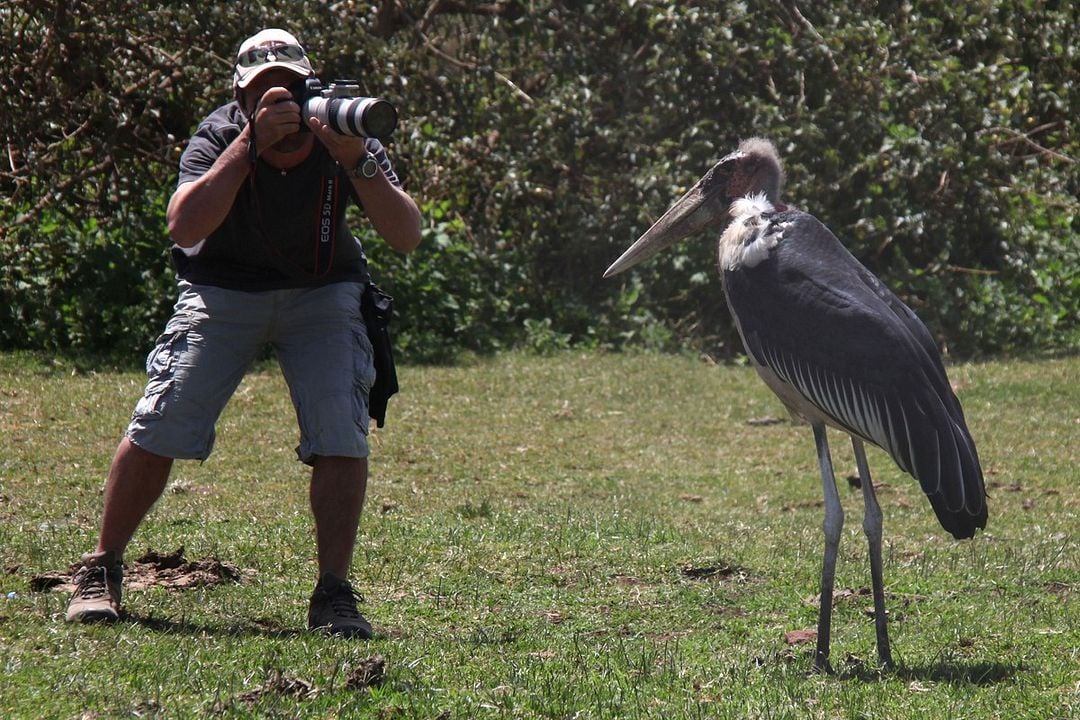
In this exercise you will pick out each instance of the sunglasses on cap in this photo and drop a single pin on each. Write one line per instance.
(261, 55)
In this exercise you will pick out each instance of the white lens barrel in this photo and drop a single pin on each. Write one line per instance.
(361, 116)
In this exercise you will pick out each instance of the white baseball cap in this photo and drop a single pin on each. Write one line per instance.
(268, 49)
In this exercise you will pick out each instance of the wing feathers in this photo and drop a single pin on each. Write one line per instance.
(914, 427)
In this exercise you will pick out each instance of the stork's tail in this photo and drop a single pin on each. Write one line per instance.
(946, 464)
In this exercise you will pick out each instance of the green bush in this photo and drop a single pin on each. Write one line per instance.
(76, 285)
(449, 297)
(938, 140)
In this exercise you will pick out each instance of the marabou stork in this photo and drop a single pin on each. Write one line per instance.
(836, 346)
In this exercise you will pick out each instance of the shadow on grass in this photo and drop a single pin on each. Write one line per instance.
(956, 673)
(962, 673)
(258, 628)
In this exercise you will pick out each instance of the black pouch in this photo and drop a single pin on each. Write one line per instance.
(377, 308)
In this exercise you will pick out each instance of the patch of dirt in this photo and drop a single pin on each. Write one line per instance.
(804, 505)
(723, 572)
(726, 610)
(800, 637)
(629, 580)
(169, 570)
(280, 684)
(371, 672)
(863, 594)
(1062, 589)
(841, 595)
(765, 421)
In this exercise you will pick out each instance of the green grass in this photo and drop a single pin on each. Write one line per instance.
(527, 546)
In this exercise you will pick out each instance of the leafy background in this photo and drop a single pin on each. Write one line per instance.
(937, 139)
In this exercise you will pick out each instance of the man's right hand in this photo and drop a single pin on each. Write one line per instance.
(276, 117)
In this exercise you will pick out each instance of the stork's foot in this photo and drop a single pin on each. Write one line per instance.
(821, 664)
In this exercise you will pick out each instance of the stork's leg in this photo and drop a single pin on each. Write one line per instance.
(834, 523)
(872, 528)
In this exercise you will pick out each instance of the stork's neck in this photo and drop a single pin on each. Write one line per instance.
(746, 242)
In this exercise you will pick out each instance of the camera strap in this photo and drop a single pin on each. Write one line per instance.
(326, 227)
(324, 234)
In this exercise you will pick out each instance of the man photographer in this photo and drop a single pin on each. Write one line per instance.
(264, 255)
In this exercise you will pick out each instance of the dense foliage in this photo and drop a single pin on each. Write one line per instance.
(938, 140)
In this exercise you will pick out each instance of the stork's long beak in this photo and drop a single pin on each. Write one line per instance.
(703, 205)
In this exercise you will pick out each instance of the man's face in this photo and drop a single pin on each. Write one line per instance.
(278, 77)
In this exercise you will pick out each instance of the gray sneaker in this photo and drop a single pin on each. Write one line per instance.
(333, 609)
(97, 589)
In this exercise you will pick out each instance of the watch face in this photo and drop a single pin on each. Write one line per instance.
(369, 167)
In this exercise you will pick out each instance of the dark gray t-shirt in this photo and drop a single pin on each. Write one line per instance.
(286, 228)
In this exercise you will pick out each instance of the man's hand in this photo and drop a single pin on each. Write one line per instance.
(276, 117)
(347, 150)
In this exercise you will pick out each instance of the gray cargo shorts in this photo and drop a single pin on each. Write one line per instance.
(214, 334)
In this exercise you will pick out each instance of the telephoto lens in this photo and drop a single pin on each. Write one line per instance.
(363, 116)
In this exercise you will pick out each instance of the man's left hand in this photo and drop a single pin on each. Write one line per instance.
(347, 150)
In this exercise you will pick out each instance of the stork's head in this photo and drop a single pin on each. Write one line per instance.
(752, 169)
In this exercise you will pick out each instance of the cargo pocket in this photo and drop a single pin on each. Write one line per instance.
(161, 370)
(363, 378)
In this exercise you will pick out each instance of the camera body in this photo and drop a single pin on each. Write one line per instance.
(341, 107)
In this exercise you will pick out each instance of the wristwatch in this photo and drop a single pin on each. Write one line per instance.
(367, 168)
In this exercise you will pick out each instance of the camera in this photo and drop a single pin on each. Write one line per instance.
(342, 108)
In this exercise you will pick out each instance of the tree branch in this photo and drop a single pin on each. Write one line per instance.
(1019, 137)
(792, 8)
